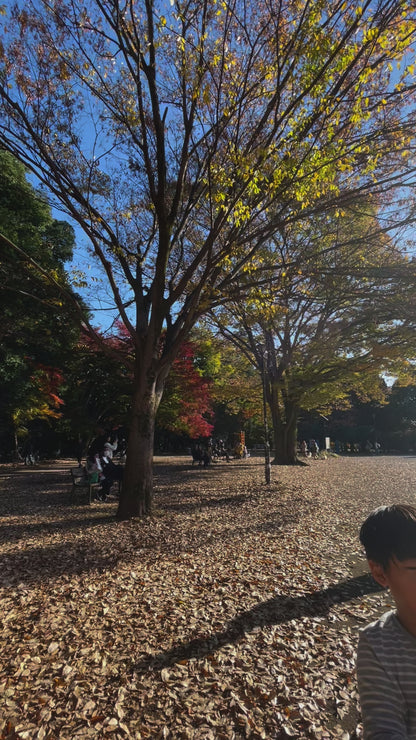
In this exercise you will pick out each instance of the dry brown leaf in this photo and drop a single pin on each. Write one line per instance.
(232, 613)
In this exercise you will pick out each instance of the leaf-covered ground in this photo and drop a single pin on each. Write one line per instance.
(231, 613)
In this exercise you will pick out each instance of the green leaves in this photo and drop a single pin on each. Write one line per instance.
(36, 330)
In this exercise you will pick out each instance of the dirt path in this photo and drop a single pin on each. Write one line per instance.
(231, 613)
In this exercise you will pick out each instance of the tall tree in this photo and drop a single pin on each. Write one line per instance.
(331, 323)
(26, 220)
(180, 136)
(36, 330)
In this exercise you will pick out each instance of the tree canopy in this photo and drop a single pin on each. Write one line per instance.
(96, 389)
(340, 313)
(36, 330)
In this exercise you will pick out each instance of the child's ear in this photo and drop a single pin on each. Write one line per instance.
(378, 573)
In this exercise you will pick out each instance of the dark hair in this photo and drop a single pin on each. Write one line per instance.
(390, 531)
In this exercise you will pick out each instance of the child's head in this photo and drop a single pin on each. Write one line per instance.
(389, 539)
(389, 533)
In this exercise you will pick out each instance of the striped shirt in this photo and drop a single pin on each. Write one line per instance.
(386, 673)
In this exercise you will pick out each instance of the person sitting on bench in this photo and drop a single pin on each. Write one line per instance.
(111, 473)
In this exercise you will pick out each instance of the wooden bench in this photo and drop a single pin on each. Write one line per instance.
(80, 480)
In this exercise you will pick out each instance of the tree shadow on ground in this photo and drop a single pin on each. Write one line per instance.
(16, 532)
(38, 562)
(208, 503)
(274, 611)
(56, 500)
(163, 469)
(30, 492)
(35, 564)
(274, 524)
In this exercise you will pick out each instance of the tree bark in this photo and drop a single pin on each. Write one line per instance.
(136, 496)
(16, 446)
(285, 434)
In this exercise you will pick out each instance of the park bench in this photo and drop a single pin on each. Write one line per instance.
(80, 481)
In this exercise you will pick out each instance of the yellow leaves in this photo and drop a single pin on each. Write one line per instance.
(240, 213)
(226, 261)
(345, 166)
(206, 94)
(64, 72)
(55, 275)
(253, 187)
(370, 34)
(264, 307)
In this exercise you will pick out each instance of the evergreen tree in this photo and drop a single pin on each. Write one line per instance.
(36, 332)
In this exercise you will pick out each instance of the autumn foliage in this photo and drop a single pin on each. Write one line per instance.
(186, 407)
(187, 403)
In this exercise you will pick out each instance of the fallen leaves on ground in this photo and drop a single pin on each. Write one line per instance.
(231, 613)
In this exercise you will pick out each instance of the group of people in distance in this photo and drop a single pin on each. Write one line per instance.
(312, 449)
(101, 467)
(216, 449)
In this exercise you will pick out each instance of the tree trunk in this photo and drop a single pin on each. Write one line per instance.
(16, 455)
(285, 435)
(137, 489)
